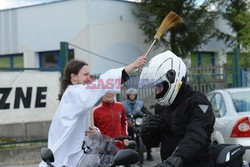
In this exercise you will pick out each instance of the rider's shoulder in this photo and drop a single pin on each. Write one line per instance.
(139, 101)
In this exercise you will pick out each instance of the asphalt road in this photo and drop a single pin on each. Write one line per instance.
(157, 159)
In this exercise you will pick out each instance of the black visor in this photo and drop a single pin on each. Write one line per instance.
(165, 89)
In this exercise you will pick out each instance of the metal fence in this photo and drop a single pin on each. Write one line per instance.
(245, 78)
(208, 78)
(20, 133)
(25, 131)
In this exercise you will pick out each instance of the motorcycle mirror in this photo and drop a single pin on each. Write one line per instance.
(132, 144)
(126, 157)
(47, 156)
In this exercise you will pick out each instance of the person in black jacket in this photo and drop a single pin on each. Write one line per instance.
(183, 120)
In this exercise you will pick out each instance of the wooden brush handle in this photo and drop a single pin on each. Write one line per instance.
(146, 54)
(150, 48)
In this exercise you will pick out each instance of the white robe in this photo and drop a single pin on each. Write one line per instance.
(72, 119)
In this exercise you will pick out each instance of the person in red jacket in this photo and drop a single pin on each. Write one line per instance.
(110, 117)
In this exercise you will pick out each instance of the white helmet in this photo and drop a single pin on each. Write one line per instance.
(131, 91)
(168, 70)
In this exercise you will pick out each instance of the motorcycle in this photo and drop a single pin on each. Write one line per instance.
(99, 151)
(228, 155)
(134, 123)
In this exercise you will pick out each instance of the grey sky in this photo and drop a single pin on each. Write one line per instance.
(7, 4)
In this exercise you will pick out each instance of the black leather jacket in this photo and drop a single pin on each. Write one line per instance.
(188, 124)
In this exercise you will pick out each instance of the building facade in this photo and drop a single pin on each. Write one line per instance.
(30, 36)
(104, 33)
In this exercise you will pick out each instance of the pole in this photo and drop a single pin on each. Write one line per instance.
(236, 67)
(199, 71)
(64, 52)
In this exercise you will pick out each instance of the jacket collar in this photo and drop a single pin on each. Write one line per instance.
(184, 93)
(107, 104)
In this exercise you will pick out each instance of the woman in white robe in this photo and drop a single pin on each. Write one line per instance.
(72, 118)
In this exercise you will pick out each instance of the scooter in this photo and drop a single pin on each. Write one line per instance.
(99, 151)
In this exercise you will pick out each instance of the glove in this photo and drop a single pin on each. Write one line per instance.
(172, 161)
(138, 114)
(151, 122)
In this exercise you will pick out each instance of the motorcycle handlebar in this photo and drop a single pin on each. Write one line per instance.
(121, 138)
(247, 147)
(136, 115)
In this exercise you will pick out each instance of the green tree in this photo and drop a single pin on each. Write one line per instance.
(244, 38)
(237, 13)
(197, 29)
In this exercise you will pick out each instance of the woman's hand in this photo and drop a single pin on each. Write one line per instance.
(140, 62)
(92, 131)
(126, 142)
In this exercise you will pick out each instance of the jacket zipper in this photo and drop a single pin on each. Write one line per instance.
(113, 129)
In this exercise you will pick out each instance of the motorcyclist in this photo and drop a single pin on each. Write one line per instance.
(133, 106)
(184, 119)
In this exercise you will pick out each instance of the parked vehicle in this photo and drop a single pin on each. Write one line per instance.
(99, 150)
(231, 108)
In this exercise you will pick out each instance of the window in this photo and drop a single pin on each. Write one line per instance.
(52, 59)
(207, 59)
(4, 62)
(209, 97)
(218, 105)
(202, 58)
(18, 61)
(11, 61)
(71, 54)
(241, 101)
(194, 59)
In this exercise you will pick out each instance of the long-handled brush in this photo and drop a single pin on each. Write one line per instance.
(171, 20)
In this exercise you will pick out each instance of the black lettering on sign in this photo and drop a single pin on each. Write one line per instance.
(5, 93)
(20, 96)
(26, 98)
(40, 96)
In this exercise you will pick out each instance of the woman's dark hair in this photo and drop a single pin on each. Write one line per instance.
(73, 67)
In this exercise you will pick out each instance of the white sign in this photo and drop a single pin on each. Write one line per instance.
(28, 96)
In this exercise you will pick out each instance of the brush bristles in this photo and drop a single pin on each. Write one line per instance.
(171, 20)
